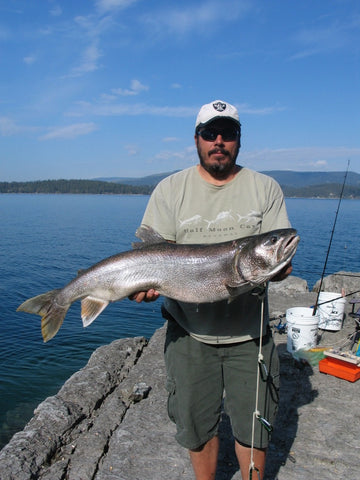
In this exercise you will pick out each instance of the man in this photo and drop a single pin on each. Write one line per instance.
(211, 350)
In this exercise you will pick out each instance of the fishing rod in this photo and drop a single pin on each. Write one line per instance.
(331, 237)
(338, 298)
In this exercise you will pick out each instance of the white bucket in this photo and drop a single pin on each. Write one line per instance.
(302, 328)
(331, 313)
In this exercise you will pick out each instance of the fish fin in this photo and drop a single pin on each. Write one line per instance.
(91, 308)
(52, 314)
(148, 236)
(235, 291)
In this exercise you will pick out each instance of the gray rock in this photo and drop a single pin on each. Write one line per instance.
(290, 286)
(350, 281)
(109, 420)
(78, 414)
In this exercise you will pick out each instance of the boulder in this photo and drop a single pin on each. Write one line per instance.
(291, 285)
(349, 281)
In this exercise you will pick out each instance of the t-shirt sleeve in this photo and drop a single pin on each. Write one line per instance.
(159, 212)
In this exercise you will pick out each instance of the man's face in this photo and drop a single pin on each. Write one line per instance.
(219, 149)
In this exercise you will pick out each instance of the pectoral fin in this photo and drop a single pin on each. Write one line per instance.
(235, 291)
(91, 308)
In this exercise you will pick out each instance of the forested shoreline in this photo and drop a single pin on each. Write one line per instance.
(74, 187)
(97, 187)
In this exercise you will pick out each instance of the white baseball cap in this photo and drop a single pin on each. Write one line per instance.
(214, 110)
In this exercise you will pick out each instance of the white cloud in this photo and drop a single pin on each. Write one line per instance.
(107, 98)
(198, 17)
(70, 131)
(103, 109)
(88, 30)
(29, 60)
(5, 33)
(136, 87)
(132, 149)
(110, 5)
(8, 127)
(299, 158)
(248, 109)
(327, 38)
(89, 61)
(107, 107)
(56, 11)
(186, 156)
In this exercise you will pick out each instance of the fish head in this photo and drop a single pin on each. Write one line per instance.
(264, 255)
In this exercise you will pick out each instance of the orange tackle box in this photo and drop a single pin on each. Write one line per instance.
(339, 368)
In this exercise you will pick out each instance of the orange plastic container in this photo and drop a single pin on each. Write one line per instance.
(340, 369)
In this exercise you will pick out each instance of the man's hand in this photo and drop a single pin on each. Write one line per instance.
(285, 272)
(149, 296)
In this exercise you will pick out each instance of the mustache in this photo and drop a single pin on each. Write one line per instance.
(223, 151)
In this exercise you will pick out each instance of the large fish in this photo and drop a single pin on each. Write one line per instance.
(188, 273)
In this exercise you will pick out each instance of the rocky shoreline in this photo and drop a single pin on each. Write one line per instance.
(109, 420)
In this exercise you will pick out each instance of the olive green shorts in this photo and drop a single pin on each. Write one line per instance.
(200, 376)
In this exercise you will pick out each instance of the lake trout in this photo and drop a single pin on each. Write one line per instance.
(189, 273)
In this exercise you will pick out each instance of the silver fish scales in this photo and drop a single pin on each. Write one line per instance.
(188, 273)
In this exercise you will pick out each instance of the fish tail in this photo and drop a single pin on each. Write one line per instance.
(52, 314)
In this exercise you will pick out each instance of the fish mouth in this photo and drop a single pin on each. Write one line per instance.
(286, 252)
(289, 247)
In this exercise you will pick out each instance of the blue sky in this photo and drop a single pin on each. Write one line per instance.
(103, 88)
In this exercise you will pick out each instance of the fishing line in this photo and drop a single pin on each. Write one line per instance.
(331, 237)
(256, 413)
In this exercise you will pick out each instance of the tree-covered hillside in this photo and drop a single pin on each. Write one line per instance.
(302, 189)
(73, 186)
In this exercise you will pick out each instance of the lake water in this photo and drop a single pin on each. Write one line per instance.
(46, 239)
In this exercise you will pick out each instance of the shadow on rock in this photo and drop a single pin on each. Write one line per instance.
(295, 391)
(227, 461)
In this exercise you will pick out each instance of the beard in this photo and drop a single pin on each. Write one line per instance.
(219, 169)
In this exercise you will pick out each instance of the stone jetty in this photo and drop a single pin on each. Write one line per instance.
(109, 420)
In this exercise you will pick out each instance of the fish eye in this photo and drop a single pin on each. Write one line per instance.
(274, 239)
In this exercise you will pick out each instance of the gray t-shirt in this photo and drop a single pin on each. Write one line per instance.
(186, 209)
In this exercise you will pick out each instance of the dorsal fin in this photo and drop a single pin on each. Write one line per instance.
(148, 236)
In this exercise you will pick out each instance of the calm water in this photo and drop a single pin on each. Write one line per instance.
(46, 239)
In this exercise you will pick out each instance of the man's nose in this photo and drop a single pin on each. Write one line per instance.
(219, 140)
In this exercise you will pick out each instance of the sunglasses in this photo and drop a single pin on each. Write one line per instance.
(210, 134)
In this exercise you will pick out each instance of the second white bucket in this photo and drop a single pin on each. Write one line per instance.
(302, 328)
(332, 312)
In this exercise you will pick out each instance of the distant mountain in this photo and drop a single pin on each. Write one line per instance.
(305, 179)
(150, 180)
(286, 178)
(294, 184)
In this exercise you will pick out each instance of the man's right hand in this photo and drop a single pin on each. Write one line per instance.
(148, 296)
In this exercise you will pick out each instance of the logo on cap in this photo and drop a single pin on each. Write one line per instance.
(219, 106)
